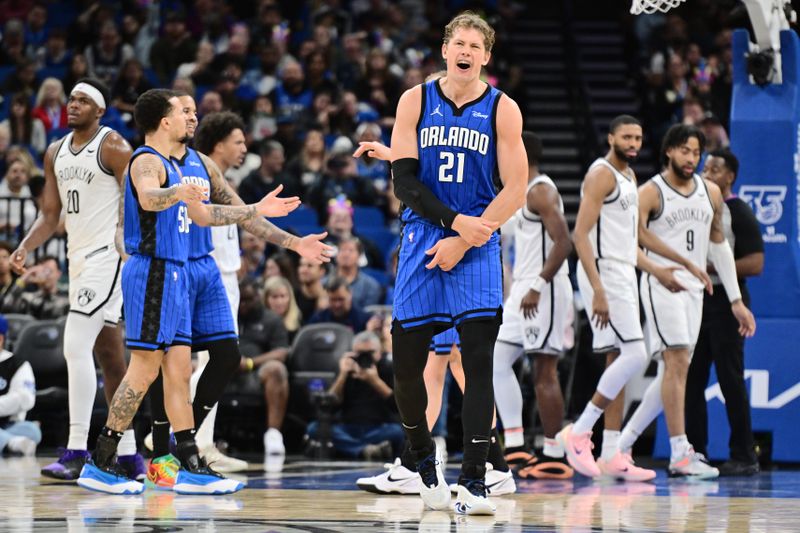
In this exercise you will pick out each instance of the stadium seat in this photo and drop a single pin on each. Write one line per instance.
(316, 352)
(384, 239)
(52, 72)
(368, 217)
(302, 216)
(16, 323)
(378, 275)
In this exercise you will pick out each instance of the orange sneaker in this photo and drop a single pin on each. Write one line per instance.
(578, 447)
(622, 467)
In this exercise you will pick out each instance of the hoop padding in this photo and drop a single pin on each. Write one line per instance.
(651, 6)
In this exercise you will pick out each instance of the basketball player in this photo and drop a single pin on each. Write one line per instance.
(83, 173)
(213, 325)
(536, 317)
(155, 295)
(607, 238)
(446, 144)
(684, 211)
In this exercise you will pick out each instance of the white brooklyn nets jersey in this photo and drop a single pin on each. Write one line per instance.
(616, 233)
(89, 193)
(532, 244)
(226, 248)
(684, 221)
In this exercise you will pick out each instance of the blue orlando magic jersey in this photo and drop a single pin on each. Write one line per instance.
(193, 170)
(457, 150)
(160, 234)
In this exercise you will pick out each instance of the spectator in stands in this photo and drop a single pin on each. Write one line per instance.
(51, 105)
(340, 226)
(291, 97)
(318, 74)
(310, 293)
(363, 393)
(352, 60)
(693, 111)
(25, 129)
(263, 123)
(6, 279)
(280, 264)
(365, 290)
(379, 87)
(199, 70)
(5, 143)
(184, 85)
(345, 121)
(23, 79)
(174, 48)
(35, 28)
(210, 103)
(340, 307)
(269, 175)
(322, 112)
(279, 298)
(716, 136)
(368, 167)
(140, 30)
(235, 96)
(78, 69)
(129, 85)
(16, 206)
(264, 78)
(17, 397)
(253, 259)
(341, 179)
(54, 53)
(264, 344)
(307, 167)
(36, 292)
(106, 56)
(12, 46)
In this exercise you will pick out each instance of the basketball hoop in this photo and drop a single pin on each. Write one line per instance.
(651, 6)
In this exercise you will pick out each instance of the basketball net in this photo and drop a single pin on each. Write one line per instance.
(651, 6)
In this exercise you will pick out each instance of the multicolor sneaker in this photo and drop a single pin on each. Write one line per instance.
(68, 466)
(162, 472)
(203, 480)
(622, 468)
(110, 479)
(433, 489)
(578, 447)
(396, 480)
(134, 466)
(473, 499)
(692, 465)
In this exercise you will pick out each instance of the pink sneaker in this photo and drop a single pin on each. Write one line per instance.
(579, 451)
(622, 467)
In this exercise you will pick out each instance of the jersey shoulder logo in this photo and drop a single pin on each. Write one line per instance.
(479, 115)
(437, 111)
(85, 296)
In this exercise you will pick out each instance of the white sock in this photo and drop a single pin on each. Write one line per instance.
(552, 449)
(588, 418)
(647, 411)
(127, 444)
(679, 446)
(632, 359)
(80, 333)
(514, 438)
(507, 394)
(610, 444)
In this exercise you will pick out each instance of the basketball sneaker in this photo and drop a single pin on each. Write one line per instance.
(110, 479)
(200, 479)
(497, 482)
(222, 462)
(472, 498)
(162, 472)
(68, 466)
(547, 468)
(578, 447)
(692, 465)
(622, 468)
(433, 489)
(397, 479)
(134, 466)
(519, 458)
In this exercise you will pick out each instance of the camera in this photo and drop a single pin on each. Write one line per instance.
(364, 359)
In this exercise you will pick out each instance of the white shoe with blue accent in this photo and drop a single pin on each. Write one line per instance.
(110, 480)
(205, 481)
(472, 499)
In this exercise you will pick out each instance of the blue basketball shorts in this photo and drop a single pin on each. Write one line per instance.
(212, 319)
(443, 343)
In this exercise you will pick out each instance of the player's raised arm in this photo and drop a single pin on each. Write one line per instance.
(46, 223)
(412, 192)
(147, 176)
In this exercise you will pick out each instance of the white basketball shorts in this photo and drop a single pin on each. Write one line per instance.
(95, 282)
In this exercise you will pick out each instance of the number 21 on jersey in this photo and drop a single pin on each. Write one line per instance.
(446, 168)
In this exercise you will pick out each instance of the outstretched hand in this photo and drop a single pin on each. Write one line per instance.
(312, 248)
(274, 206)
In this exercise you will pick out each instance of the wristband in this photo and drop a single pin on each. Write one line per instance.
(538, 284)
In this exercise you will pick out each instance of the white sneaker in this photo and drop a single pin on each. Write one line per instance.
(433, 488)
(221, 462)
(441, 450)
(497, 482)
(396, 480)
(148, 441)
(273, 442)
(23, 445)
(692, 465)
(473, 503)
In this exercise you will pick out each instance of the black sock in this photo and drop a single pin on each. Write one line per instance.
(407, 458)
(105, 452)
(223, 362)
(187, 449)
(409, 357)
(159, 416)
(496, 453)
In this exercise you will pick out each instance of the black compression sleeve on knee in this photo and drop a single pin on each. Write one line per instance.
(159, 415)
(418, 197)
(223, 362)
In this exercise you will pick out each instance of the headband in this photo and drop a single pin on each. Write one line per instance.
(92, 92)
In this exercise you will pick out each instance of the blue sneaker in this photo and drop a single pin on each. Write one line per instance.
(204, 480)
(110, 480)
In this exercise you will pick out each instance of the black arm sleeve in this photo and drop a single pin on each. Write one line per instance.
(745, 228)
(417, 196)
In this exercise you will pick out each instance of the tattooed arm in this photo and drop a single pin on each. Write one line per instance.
(147, 176)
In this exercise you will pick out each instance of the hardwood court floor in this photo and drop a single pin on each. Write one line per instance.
(320, 497)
